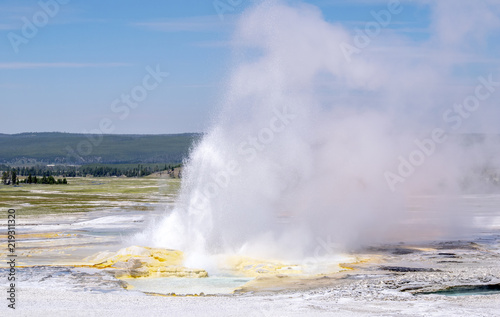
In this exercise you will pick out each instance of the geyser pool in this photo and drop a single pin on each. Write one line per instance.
(189, 286)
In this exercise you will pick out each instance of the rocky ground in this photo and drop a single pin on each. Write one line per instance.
(396, 282)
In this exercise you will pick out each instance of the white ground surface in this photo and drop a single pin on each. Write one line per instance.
(54, 302)
(369, 290)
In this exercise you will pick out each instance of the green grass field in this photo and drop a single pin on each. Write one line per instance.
(84, 194)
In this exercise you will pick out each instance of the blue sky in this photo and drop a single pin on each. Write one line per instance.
(66, 76)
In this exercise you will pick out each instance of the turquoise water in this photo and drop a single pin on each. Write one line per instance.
(189, 286)
(468, 290)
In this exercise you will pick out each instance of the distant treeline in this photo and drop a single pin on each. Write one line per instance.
(43, 180)
(10, 178)
(27, 149)
(96, 170)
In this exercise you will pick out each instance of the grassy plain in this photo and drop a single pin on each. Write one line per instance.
(84, 194)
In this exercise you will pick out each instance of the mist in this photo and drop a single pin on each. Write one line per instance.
(329, 133)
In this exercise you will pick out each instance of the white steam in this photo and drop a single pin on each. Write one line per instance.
(308, 140)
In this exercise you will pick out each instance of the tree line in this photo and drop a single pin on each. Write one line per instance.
(11, 178)
(96, 170)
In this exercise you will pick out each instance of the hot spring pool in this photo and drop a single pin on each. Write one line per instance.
(189, 286)
(467, 290)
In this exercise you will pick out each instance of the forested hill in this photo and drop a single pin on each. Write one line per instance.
(69, 148)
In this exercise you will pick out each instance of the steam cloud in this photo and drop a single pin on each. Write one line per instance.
(320, 136)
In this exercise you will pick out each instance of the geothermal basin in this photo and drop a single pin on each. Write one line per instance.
(92, 252)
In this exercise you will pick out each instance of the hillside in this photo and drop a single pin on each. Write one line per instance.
(69, 148)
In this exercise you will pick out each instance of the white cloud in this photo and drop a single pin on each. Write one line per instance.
(466, 22)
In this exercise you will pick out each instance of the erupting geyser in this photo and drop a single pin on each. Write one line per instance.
(315, 144)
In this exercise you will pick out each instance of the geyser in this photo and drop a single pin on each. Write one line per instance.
(299, 154)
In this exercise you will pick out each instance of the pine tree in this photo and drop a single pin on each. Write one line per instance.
(5, 177)
(13, 177)
(51, 180)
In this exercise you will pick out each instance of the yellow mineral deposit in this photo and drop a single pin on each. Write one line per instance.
(250, 267)
(136, 261)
